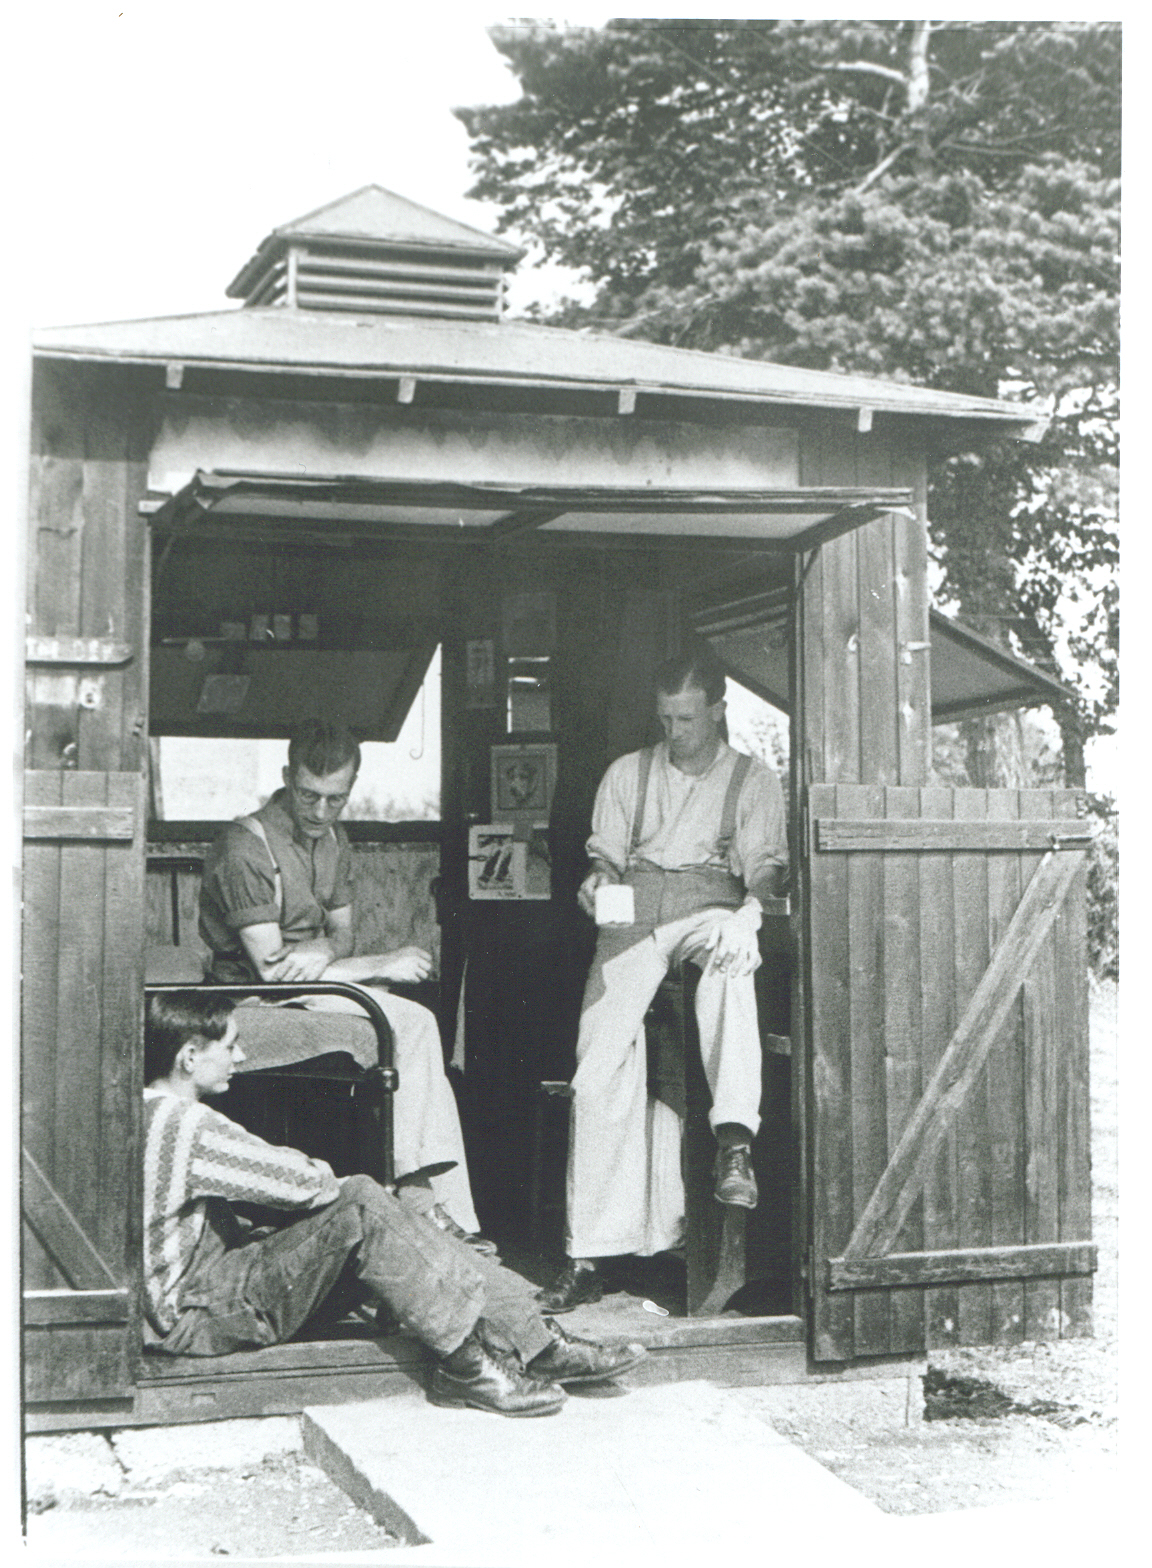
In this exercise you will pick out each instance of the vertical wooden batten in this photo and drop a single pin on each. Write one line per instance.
(903, 1032)
(1005, 1089)
(938, 1016)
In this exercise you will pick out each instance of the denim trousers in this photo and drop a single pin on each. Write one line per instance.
(263, 1291)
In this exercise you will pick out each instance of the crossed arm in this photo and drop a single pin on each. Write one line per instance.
(329, 957)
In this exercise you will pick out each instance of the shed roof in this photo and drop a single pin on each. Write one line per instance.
(499, 353)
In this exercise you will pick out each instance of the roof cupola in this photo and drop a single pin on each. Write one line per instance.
(375, 253)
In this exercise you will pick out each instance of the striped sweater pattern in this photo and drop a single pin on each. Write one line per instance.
(193, 1154)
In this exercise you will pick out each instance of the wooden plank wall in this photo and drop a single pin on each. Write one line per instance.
(900, 941)
(865, 702)
(82, 920)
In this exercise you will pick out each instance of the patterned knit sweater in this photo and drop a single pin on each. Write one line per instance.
(196, 1164)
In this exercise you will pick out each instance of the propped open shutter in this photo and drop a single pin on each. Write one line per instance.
(949, 1035)
(83, 870)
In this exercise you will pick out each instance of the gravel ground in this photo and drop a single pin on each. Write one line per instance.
(221, 1489)
(283, 1506)
(245, 1488)
(875, 1437)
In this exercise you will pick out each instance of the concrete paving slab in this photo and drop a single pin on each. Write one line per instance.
(656, 1474)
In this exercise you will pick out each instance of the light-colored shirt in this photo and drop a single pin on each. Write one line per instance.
(683, 814)
(238, 887)
(197, 1163)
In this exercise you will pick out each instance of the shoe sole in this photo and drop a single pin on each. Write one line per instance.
(602, 1377)
(448, 1403)
(738, 1203)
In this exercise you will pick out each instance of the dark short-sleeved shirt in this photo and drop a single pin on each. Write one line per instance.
(238, 888)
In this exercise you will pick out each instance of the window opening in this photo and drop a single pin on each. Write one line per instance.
(756, 727)
(212, 779)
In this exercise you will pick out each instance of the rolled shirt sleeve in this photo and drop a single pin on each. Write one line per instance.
(239, 881)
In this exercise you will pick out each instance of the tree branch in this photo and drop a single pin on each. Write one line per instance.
(881, 168)
(869, 69)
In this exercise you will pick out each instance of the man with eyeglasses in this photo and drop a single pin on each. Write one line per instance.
(276, 905)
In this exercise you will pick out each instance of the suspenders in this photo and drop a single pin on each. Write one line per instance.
(254, 825)
(727, 816)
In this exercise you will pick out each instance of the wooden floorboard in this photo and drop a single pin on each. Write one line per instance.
(285, 1379)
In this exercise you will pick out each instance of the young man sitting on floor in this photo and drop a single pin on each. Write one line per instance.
(215, 1282)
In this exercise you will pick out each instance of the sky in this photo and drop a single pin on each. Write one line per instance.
(174, 137)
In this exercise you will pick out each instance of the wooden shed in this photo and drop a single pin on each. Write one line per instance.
(239, 518)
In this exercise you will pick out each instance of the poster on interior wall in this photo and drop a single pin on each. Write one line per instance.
(480, 672)
(523, 779)
(509, 860)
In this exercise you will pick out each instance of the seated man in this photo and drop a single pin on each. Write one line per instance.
(698, 832)
(216, 1283)
(276, 904)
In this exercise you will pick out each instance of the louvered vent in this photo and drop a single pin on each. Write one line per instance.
(312, 278)
(375, 253)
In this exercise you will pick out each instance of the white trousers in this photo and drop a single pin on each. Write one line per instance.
(425, 1120)
(625, 1193)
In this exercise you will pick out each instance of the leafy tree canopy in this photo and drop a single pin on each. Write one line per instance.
(933, 202)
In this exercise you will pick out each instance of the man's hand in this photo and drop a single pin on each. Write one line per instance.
(597, 877)
(735, 950)
(407, 965)
(299, 963)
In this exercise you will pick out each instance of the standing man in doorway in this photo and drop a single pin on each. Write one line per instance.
(276, 905)
(697, 831)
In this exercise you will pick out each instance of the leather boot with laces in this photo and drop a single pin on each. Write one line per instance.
(570, 1359)
(735, 1178)
(473, 1376)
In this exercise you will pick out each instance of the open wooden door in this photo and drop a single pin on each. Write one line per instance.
(946, 979)
(83, 869)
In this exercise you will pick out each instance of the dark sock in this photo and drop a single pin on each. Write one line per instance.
(731, 1134)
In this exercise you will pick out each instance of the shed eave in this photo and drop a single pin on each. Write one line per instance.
(1024, 423)
(274, 340)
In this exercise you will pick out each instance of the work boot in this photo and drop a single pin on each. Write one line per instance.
(576, 1285)
(570, 1359)
(735, 1179)
(472, 1376)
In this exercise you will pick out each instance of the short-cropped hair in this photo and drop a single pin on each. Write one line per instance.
(323, 748)
(697, 666)
(174, 1018)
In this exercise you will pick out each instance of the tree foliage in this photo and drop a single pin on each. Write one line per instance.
(937, 203)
